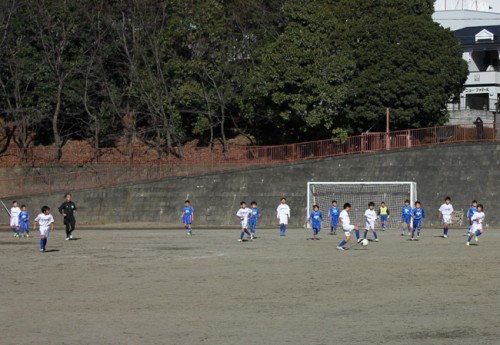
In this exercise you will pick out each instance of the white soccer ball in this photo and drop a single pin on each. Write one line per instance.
(364, 242)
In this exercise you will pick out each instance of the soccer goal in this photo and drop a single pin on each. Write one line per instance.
(359, 194)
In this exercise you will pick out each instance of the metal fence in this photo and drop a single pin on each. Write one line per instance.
(240, 157)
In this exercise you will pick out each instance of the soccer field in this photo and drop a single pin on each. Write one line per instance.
(161, 287)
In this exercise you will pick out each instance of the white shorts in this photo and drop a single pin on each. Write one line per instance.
(348, 229)
(447, 218)
(244, 223)
(369, 225)
(45, 231)
(476, 227)
(283, 219)
(14, 222)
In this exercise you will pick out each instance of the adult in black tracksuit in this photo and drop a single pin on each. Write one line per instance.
(68, 209)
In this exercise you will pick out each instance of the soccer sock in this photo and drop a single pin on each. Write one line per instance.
(413, 233)
(478, 233)
(446, 231)
(366, 233)
(357, 234)
(418, 232)
(242, 235)
(44, 243)
(284, 228)
(246, 232)
(41, 243)
(375, 235)
(404, 230)
(343, 243)
(470, 238)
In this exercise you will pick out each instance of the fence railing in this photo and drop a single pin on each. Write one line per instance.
(240, 157)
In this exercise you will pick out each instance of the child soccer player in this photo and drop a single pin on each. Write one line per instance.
(345, 220)
(334, 216)
(383, 212)
(370, 218)
(477, 224)
(46, 223)
(406, 217)
(24, 221)
(316, 218)
(188, 217)
(253, 219)
(470, 213)
(445, 212)
(283, 211)
(244, 214)
(417, 214)
(14, 218)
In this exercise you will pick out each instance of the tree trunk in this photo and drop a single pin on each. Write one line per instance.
(55, 119)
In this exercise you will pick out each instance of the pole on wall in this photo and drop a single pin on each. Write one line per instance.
(387, 128)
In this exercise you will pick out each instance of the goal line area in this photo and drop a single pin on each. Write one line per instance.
(359, 194)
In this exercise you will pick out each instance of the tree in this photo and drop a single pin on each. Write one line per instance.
(403, 60)
(300, 82)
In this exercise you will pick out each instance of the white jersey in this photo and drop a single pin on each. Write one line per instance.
(14, 216)
(283, 213)
(446, 209)
(478, 220)
(370, 215)
(346, 222)
(244, 214)
(44, 220)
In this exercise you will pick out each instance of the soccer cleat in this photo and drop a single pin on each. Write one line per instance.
(340, 248)
(41, 250)
(252, 237)
(476, 238)
(376, 240)
(28, 236)
(403, 234)
(445, 236)
(67, 238)
(71, 237)
(359, 240)
(188, 234)
(240, 240)
(467, 244)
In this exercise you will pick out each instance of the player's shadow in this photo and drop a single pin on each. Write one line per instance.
(51, 250)
(473, 244)
(74, 239)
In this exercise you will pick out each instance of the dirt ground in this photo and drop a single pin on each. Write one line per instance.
(161, 287)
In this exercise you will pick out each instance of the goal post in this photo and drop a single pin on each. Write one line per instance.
(359, 194)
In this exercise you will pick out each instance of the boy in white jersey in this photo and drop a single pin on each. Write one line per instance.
(15, 211)
(477, 224)
(46, 223)
(283, 213)
(370, 218)
(445, 212)
(345, 221)
(244, 214)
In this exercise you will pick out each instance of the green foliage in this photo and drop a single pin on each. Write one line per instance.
(207, 69)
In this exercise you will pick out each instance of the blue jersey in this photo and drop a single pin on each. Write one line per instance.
(418, 213)
(188, 214)
(316, 217)
(406, 213)
(255, 215)
(24, 218)
(471, 212)
(334, 214)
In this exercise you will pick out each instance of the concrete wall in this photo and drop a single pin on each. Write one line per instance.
(462, 171)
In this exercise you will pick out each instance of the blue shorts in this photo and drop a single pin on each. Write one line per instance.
(407, 219)
(252, 222)
(316, 226)
(24, 225)
(417, 223)
(335, 222)
(383, 217)
(187, 220)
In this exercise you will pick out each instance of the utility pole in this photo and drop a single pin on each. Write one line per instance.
(387, 129)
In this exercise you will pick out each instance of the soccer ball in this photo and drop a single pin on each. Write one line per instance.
(364, 242)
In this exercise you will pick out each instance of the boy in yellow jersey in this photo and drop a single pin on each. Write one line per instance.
(383, 212)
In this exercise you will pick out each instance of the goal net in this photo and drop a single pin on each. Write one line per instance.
(359, 194)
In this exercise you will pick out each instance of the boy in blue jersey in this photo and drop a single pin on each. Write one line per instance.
(470, 213)
(253, 219)
(188, 217)
(334, 217)
(417, 214)
(315, 218)
(24, 221)
(406, 217)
